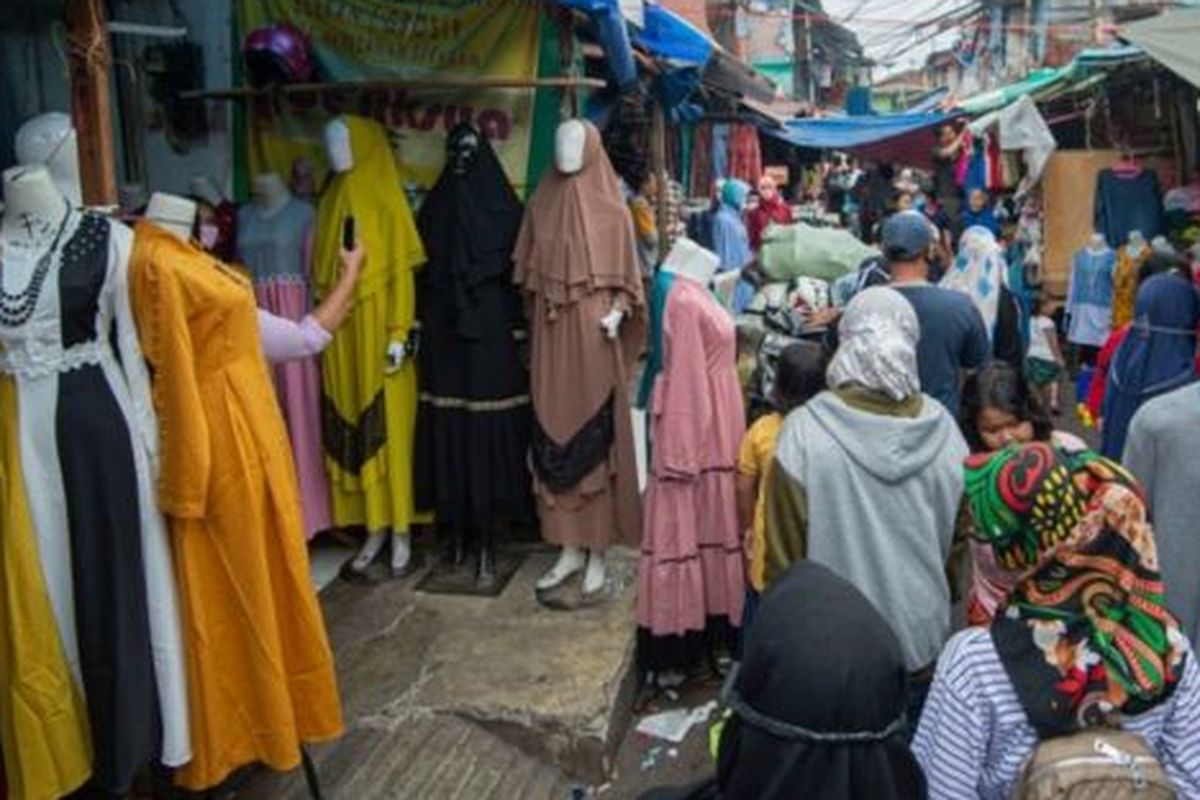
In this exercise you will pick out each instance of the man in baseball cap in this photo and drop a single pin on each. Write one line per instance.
(953, 337)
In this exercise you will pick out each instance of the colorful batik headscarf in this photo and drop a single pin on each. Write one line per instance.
(1084, 635)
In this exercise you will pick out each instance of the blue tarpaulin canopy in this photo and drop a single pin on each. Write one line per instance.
(669, 36)
(847, 133)
(905, 138)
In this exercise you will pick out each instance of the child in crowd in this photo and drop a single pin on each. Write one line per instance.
(799, 376)
(1000, 409)
(979, 213)
(1044, 359)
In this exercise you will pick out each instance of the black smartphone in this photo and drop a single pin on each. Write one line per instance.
(348, 233)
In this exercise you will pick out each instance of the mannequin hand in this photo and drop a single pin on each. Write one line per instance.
(396, 353)
(611, 322)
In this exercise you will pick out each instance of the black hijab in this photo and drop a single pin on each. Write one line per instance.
(468, 222)
(818, 703)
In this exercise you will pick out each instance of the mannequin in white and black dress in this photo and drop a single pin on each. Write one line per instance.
(88, 441)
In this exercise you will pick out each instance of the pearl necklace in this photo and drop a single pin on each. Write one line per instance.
(17, 308)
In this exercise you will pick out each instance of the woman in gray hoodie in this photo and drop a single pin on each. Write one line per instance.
(868, 479)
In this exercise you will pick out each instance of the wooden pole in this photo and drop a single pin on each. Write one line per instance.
(91, 107)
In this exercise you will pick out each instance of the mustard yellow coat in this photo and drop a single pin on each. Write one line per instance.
(260, 670)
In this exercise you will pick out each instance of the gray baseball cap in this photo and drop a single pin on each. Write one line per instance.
(906, 236)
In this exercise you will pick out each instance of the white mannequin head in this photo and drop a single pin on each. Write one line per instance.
(202, 186)
(569, 141)
(50, 139)
(31, 201)
(337, 146)
(1160, 244)
(689, 260)
(1137, 242)
(270, 192)
(172, 213)
(1098, 242)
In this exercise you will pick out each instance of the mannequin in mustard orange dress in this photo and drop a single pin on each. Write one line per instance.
(260, 671)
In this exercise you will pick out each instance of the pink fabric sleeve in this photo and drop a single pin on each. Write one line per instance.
(285, 340)
(683, 403)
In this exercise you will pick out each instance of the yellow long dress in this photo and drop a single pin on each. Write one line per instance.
(43, 722)
(260, 670)
(368, 415)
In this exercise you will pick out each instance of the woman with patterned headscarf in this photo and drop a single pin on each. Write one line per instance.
(1083, 640)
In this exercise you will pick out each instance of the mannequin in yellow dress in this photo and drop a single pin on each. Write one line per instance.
(369, 381)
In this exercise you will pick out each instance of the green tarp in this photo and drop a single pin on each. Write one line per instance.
(800, 250)
(1043, 84)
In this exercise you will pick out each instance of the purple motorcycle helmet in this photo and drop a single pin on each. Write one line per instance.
(278, 54)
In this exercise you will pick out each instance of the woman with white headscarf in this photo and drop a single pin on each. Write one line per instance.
(981, 272)
(868, 478)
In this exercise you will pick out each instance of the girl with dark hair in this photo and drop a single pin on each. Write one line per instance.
(1000, 409)
(799, 376)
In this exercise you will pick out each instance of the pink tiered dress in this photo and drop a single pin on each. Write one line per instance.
(691, 566)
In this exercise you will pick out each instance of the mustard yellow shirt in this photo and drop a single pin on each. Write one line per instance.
(754, 461)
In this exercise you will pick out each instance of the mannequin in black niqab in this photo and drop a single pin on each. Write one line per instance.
(474, 413)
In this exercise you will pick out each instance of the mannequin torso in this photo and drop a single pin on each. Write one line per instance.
(50, 140)
(34, 217)
(270, 194)
(172, 213)
(689, 260)
(201, 186)
(337, 146)
(568, 147)
(1137, 244)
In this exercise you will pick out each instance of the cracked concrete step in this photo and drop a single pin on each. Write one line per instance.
(433, 758)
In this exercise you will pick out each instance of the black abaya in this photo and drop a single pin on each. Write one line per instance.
(474, 417)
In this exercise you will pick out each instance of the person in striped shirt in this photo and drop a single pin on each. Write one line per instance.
(1059, 656)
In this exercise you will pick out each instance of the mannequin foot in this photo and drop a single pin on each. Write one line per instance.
(597, 571)
(456, 550)
(355, 570)
(570, 561)
(402, 560)
(368, 552)
(485, 575)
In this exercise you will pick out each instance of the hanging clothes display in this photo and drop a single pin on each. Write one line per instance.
(720, 135)
(87, 444)
(474, 412)
(691, 566)
(1125, 282)
(1128, 200)
(576, 261)
(259, 667)
(1090, 297)
(369, 409)
(276, 248)
(43, 721)
(745, 157)
(701, 173)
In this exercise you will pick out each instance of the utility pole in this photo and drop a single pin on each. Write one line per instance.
(803, 76)
(91, 107)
